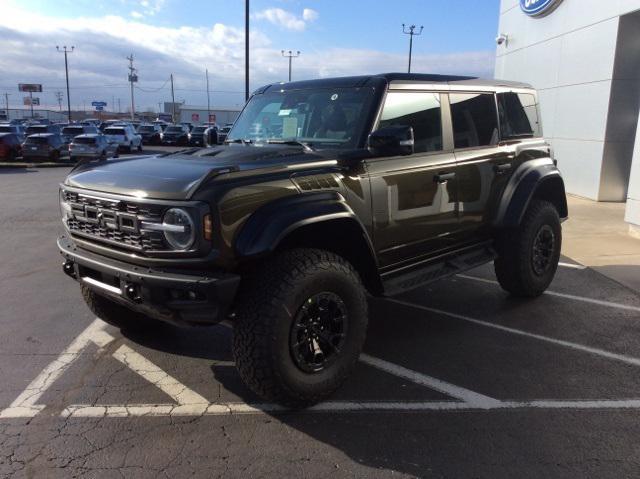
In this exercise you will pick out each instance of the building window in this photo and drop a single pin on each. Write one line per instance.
(519, 115)
(475, 120)
(419, 110)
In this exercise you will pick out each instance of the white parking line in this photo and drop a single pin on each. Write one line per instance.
(25, 405)
(599, 302)
(228, 409)
(567, 344)
(572, 266)
(465, 395)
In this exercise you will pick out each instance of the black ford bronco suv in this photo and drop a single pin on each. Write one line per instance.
(324, 191)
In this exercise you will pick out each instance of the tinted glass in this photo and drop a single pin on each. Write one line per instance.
(73, 130)
(37, 129)
(37, 140)
(114, 131)
(6, 129)
(174, 129)
(419, 110)
(199, 129)
(519, 115)
(146, 129)
(84, 141)
(475, 120)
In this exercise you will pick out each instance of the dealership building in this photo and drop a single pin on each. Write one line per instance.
(583, 56)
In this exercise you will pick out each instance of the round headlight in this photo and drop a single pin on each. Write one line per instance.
(179, 230)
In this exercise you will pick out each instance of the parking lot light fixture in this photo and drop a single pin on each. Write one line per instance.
(411, 31)
(66, 51)
(290, 55)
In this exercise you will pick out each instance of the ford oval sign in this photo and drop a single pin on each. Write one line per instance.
(539, 8)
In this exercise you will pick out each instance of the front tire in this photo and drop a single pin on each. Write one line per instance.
(114, 314)
(528, 256)
(301, 322)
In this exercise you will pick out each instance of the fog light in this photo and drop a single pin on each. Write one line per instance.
(132, 293)
(68, 268)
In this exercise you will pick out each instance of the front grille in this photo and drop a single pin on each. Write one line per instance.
(115, 222)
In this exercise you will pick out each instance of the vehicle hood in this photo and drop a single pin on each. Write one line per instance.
(178, 176)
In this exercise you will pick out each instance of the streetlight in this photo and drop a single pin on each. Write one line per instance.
(411, 32)
(66, 71)
(290, 55)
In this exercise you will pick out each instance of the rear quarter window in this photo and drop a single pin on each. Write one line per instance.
(519, 116)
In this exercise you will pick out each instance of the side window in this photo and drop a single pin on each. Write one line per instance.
(420, 110)
(475, 120)
(519, 115)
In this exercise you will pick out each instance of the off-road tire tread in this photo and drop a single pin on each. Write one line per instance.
(261, 293)
(512, 267)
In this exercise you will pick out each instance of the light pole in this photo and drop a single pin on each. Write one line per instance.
(411, 32)
(208, 99)
(66, 71)
(290, 55)
(246, 50)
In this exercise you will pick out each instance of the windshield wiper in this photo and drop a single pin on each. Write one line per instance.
(307, 146)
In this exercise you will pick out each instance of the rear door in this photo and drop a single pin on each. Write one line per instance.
(414, 204)
(483, 162)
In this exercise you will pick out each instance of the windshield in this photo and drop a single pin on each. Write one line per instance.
(199, 129)
(174, 129)
(329, 118)
(6, 129)
(85, 141)
(114, 131)
(37, 140)
(37, 129)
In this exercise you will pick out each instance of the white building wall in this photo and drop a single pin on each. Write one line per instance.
(584, 59)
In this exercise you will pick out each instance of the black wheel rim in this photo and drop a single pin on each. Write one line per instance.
(544, 246)
(318, 332)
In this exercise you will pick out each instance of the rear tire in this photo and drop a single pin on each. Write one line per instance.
(301, 322)
(528, 256)
(114, 314)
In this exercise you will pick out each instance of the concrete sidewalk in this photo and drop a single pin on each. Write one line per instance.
(597, 236)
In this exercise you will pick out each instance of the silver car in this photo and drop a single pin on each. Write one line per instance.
(124, 136)
(92, 146)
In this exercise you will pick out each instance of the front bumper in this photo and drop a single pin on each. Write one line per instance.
(185, 299)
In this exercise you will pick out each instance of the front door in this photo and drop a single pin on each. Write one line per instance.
(414, 196)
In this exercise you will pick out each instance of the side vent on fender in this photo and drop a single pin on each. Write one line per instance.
(317, 182)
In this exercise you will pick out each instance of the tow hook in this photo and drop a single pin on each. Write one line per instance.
(132, 293)
(69, 269)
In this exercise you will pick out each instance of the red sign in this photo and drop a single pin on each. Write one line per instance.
(195, 117)
(30, 87)
(212, 118)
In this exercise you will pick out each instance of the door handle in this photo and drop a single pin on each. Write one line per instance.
(503, 168)
(444, 177)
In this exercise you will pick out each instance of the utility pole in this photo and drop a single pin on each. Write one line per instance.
(206, 72)
(159, 106)
(31, 102)
(290, 55)
(59, 99)
(411, 32)
(119, 107)
(173, 103)
(6, 104)
(246, 50)
(66, 71)
(133, 78)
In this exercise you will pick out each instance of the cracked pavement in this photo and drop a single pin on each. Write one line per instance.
(94, 417)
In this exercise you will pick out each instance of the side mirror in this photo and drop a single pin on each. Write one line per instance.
(392, 141)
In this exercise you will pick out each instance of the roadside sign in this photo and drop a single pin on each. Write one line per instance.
(31, 101)
(30, 87)
(99, 108)
(212, 118)
(99, 103)
(195, 117)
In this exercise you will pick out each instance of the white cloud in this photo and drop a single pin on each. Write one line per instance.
(309, 15)
(282, 18)
(98, 64)
(136, 14)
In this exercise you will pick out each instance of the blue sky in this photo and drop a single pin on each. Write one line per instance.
(185, 37)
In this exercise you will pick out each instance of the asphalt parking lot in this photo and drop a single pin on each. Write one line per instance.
(457, 380)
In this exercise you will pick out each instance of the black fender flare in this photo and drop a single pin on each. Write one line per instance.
(266, 228)
(526, 181)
